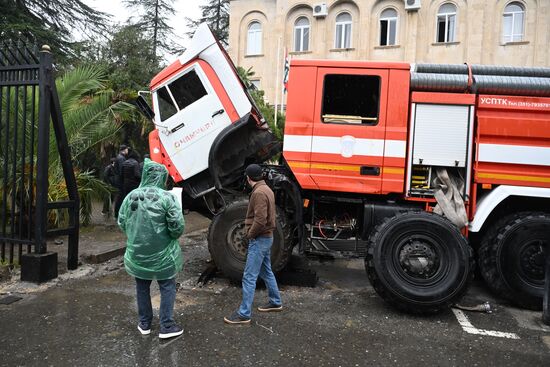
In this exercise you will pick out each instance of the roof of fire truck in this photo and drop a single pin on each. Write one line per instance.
(165, 74)
(202, 40)
(352, 64)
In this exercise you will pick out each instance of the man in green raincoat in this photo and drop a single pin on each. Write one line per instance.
(152, 219)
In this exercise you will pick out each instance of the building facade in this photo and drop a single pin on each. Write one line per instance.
(499, 32)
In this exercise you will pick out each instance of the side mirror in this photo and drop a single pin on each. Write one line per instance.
(144, 107)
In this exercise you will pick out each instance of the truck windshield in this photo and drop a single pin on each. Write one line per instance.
(179, 94)
(351, 99)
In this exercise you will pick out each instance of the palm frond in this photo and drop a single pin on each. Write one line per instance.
(75, 84)
(90, 117)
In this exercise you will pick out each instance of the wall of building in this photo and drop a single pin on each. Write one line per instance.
(479, 29)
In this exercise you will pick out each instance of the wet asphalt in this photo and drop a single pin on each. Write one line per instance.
(92, 321)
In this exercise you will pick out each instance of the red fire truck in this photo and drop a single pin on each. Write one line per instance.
(418, 169)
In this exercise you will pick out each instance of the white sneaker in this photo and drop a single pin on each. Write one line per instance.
(143, 329)
(170, 332)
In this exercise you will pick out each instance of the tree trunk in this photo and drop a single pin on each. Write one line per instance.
(155, 29)
(218, 18)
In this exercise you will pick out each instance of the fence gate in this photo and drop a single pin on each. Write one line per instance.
(28, 105)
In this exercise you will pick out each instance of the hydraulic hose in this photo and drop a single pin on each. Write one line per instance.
(482, 307)
(487, 79)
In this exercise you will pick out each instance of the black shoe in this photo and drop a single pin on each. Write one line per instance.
(170, 332)
(236, 319)
(269, 307)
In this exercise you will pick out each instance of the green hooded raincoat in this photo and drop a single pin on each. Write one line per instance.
(153, 221)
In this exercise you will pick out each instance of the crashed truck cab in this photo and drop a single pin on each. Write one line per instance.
(207, 128)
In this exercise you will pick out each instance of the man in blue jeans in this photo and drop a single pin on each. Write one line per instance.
(259, 226)
(153, 221)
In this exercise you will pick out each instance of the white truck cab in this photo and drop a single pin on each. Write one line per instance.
(207, 127)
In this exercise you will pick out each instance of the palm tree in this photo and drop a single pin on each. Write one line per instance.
(90, 118)
(266, 110)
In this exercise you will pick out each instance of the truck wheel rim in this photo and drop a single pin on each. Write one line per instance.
(531, 261)
(417, 259)
(236, 239)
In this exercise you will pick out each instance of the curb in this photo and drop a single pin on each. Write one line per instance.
(110, 254)
(105, 256)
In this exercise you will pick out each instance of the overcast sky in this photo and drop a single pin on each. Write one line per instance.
(184, 8)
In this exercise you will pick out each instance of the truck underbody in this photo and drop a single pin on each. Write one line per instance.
(346, 225)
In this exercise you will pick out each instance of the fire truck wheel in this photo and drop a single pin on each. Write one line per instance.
(419, 262)
(228, 245)
(511, 258)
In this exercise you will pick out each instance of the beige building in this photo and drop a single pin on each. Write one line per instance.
(501, 32)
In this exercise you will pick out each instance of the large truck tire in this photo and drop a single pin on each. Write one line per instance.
(511, 258)
(228, 245)
(419, 262)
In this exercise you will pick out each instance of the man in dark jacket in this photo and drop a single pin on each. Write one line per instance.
(130, 174)
(259, 226)
(109, 177)
(120, 158)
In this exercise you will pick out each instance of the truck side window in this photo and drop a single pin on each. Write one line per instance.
(187, 89)
(166, 105)
(351, 99)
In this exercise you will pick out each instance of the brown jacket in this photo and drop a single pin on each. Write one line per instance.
(260, 217)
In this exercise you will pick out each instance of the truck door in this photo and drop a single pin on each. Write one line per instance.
(347, 151)
(190, 116)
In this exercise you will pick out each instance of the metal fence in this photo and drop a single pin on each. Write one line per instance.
(28, 106)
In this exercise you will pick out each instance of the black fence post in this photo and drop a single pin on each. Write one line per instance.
(42, 265)
(68, 171)
(546, 297)
(42, 153)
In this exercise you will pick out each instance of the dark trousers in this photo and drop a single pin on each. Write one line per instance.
(118, 201)
(167, 298)
(108, 203)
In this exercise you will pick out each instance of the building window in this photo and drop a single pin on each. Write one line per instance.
(388, 27)
(513, 20)
(343, 31)
(301, 34)
(351, 99)
(446, 23)
(254, 41)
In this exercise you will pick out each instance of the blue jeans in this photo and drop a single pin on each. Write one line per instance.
(167, 298)
(258, 262)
